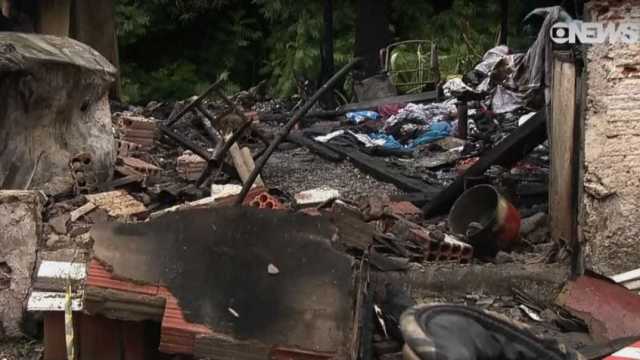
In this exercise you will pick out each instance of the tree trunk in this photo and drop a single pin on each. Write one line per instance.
(53, 109)
(372, 35)
(94, 23)
(326, 54)
(504, 24)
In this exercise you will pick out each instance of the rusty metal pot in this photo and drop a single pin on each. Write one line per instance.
(488, 220)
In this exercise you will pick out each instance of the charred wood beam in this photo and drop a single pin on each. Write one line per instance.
(207, 123)
(196, 149)
(219, 155)
(512, 149)
(287, 128)
(504, 22)
(317, 148)
(381, 171)
(173, 119)
(221, 152)
(463, 119)
(326, 54)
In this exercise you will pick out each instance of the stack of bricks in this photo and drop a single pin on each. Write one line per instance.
(140, 166)
(137, 129)
(406, 210)
(127, 148)
(190, 166)
(264, 200)
(83, 174)
(441, 247)
(257, 197)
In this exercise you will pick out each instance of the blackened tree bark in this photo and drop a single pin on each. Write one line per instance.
(5, 24)
(326, 55)
(441, 5)
(504, 22)
(372, 34)
(23, 15)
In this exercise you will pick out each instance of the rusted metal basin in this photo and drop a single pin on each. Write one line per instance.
(487, 219)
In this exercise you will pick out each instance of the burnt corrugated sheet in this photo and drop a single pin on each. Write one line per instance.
(215, 262)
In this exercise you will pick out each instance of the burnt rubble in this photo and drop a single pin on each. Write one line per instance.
(246, 227)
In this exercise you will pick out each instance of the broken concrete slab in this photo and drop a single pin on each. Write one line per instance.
(353, 231)
(20, 229)
(59, 223)
(53, 106)
(316, 196)
(55, 241)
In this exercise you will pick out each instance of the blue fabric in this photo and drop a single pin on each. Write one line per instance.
(389, 141)
(439, 130)
(357, 117)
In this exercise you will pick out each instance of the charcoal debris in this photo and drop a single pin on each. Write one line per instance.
(232, 223)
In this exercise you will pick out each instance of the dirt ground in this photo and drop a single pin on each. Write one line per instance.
(21, 349)
(299, 169)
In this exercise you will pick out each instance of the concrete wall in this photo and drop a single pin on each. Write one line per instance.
(20, 234)
(611, 203)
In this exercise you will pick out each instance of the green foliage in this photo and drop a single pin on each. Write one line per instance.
(170, 49)
(464, 32)
(293, 47)
(133, 22)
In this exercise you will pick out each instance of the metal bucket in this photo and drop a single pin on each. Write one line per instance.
(495, 223)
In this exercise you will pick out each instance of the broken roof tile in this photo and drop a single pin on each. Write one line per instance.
(117, 203)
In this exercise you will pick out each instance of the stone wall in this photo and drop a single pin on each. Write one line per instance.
(611, 202)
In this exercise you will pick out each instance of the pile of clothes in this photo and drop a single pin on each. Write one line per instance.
(403, 128)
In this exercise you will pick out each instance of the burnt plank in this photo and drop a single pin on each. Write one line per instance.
(380, 170)
(317, 148)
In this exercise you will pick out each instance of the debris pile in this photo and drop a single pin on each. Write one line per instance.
(235, 235)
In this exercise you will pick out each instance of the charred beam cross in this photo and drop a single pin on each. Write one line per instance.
(221, 147)
(287, 128)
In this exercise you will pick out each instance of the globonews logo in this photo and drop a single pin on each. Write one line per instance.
(595, 32)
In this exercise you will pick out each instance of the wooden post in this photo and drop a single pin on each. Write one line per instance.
(250, 164)
(53, 17)
(93, 23)
(563, 147)
(504, 22)
(326, 54)
(463, 119)
(372, 34)
(238, 162)
(289, 125)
